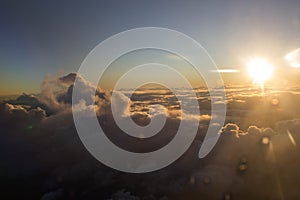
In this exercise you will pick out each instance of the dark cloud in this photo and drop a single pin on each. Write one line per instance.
(68, 79)
(18, 115)
(123, 195)
(44, 141)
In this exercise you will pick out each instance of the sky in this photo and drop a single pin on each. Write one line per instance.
(42, 42)
(40, 38)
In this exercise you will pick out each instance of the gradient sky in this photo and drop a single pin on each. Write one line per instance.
(50, 37)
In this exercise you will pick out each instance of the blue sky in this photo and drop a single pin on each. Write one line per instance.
(47, 37)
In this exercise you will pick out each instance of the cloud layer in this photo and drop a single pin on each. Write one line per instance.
(256, 157)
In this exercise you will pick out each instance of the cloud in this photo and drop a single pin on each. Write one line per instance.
(85, 110)
(58, 194)
(51, 88)
(253, 130)
(284, 125)
(123, 195)
(52, 154)
(57, 93)
(18, 115)
(231, 129)
(294, 58)
(120, 103)
(68, 79)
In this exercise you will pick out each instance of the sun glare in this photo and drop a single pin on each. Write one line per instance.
(260, 70)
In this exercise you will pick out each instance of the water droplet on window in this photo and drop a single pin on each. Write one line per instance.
(242, 167)
(275, 102)
(206, 180)
(227, 196)
(192, 180)
(265, 140)
(243, 160)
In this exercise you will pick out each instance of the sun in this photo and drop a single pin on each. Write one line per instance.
(259, 70)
